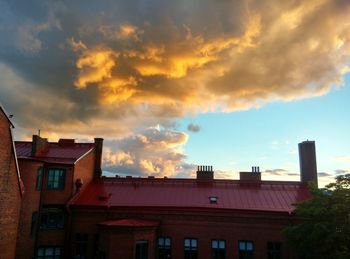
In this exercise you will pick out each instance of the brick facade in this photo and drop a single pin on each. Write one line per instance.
(10, 190)
(204, 226)
(38, 201)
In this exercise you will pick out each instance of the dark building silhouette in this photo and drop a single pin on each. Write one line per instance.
(307, 158)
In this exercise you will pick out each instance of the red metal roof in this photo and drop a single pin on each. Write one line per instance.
(189, 193)
(67, 153)
(130, 223)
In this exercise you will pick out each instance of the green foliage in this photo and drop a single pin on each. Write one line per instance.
(322, 227)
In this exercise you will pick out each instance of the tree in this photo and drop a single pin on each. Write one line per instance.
(321, 228)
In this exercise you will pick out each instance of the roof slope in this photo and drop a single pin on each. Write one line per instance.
(67, 153)
(189, 193)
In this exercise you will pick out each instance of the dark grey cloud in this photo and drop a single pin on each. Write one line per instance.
(193, 128)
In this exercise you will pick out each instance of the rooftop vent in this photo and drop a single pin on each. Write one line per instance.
(205, 172)
(253, 176)
(213, 199)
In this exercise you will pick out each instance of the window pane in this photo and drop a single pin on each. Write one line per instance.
(249, 246)
(40, 251)
(161, 241)
(214, 244)
(141, 250)
(194, 243)
(187, 242)
(167, 242)
(222, 244)
(49, 251)
(241, 245)
(57, 251)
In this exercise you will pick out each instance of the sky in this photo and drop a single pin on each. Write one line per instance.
(170, 85)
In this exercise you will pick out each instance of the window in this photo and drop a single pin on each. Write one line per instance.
(246, 249)
(52, 217)
(34, 225)
(190, 246)
(218, 249)
(56, 179)
(81, 245)
(141, 249)
(274, 250)
(39, 177)
(48, 253)
(164, 248)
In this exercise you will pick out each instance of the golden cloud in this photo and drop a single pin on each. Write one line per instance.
(298, 52)
(95, 65)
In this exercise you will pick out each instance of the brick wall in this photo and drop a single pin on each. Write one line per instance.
(34, 199)
(84, 169)
(230, 226)
(10, 196)
(30, 204)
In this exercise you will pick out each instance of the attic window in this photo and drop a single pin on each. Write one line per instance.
(213, 199)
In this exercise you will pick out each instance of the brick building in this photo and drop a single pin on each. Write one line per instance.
(52, 173)
(70, 211)
(144, 218)
(138, 218)
(10, 189)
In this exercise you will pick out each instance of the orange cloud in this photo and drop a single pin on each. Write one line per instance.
(95, 65)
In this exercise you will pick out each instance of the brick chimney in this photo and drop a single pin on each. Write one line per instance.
(98, 158)
(205, 172)
(307, 160)
(253, 176)
(38, 145)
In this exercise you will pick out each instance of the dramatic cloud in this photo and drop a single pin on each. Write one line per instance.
(193, 128)
(152, 152)
(116, 68)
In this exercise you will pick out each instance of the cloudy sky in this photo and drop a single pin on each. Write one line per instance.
(173, 84)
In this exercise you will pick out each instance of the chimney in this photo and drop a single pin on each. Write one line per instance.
(205, 172)
(38, 145)
(253, 176)
(307, 160)
(98, 158)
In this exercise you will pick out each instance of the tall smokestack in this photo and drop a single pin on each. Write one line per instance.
(307, 160)
(98, 158)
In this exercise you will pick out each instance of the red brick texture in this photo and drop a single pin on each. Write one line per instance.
(204, 226)
(30, 204)
(33, 201)
(10, 196)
